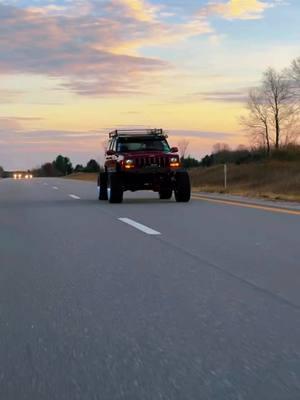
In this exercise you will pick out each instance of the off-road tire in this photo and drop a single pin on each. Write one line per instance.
(102, 183)
(182, 187)
(165, 193)
(116, 190)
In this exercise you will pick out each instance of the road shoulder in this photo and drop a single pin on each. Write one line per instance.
(241, 200)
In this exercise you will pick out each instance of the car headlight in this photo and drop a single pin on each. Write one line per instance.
(174, 160)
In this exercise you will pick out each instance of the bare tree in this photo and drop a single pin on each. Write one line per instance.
(295, 70)
(183, 145)
(220, 147)
(278, 96)
(291, 128)
(257, 122)
(293, 75)
(273, 112)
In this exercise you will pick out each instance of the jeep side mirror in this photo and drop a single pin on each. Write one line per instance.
(174, 149)
(110, 153)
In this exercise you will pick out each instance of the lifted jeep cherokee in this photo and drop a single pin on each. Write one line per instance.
(142, 160)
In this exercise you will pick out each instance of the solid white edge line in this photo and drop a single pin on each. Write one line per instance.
(139, 226)
(74, 196)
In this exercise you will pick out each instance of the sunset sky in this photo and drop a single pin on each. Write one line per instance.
(73, 70)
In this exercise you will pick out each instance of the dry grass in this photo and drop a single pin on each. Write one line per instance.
(277, 180)
(274, 180)
(83, 176)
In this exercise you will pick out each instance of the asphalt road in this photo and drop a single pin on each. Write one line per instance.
(201, 301)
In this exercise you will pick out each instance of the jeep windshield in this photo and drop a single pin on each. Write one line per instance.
(132, 144)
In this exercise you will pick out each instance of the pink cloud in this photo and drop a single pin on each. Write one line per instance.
(76, 49)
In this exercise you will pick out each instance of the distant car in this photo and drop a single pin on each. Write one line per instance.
(20, 176)
(142, 160)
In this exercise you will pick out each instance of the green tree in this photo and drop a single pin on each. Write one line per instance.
(48, 169)
(190, 162)
(79, 168)
(63, 165)
(1, 172)
(92, 166)
(207, 161)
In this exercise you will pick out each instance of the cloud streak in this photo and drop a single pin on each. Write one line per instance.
(239, 9)
(10, 96)
(237, 96)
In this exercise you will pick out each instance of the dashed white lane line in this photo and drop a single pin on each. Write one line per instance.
(74, 196)
(55, 187)
(139, 226)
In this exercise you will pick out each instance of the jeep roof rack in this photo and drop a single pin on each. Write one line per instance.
(138, 132)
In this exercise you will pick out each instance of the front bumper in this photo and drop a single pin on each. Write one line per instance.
(147, 178)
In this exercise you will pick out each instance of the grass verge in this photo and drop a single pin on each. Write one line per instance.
(276, 180)
(83, 176)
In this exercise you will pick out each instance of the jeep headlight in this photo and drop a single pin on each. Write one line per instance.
(129, 164)
(174, 162)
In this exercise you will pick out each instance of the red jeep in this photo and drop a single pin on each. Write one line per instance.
(142, 160)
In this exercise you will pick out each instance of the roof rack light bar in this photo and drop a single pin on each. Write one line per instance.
(129, 132)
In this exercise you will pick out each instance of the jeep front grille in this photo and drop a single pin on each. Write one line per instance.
(161, 162)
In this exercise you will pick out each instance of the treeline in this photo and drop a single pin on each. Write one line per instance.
(223, 154)
(63, 166)
(3, 173)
